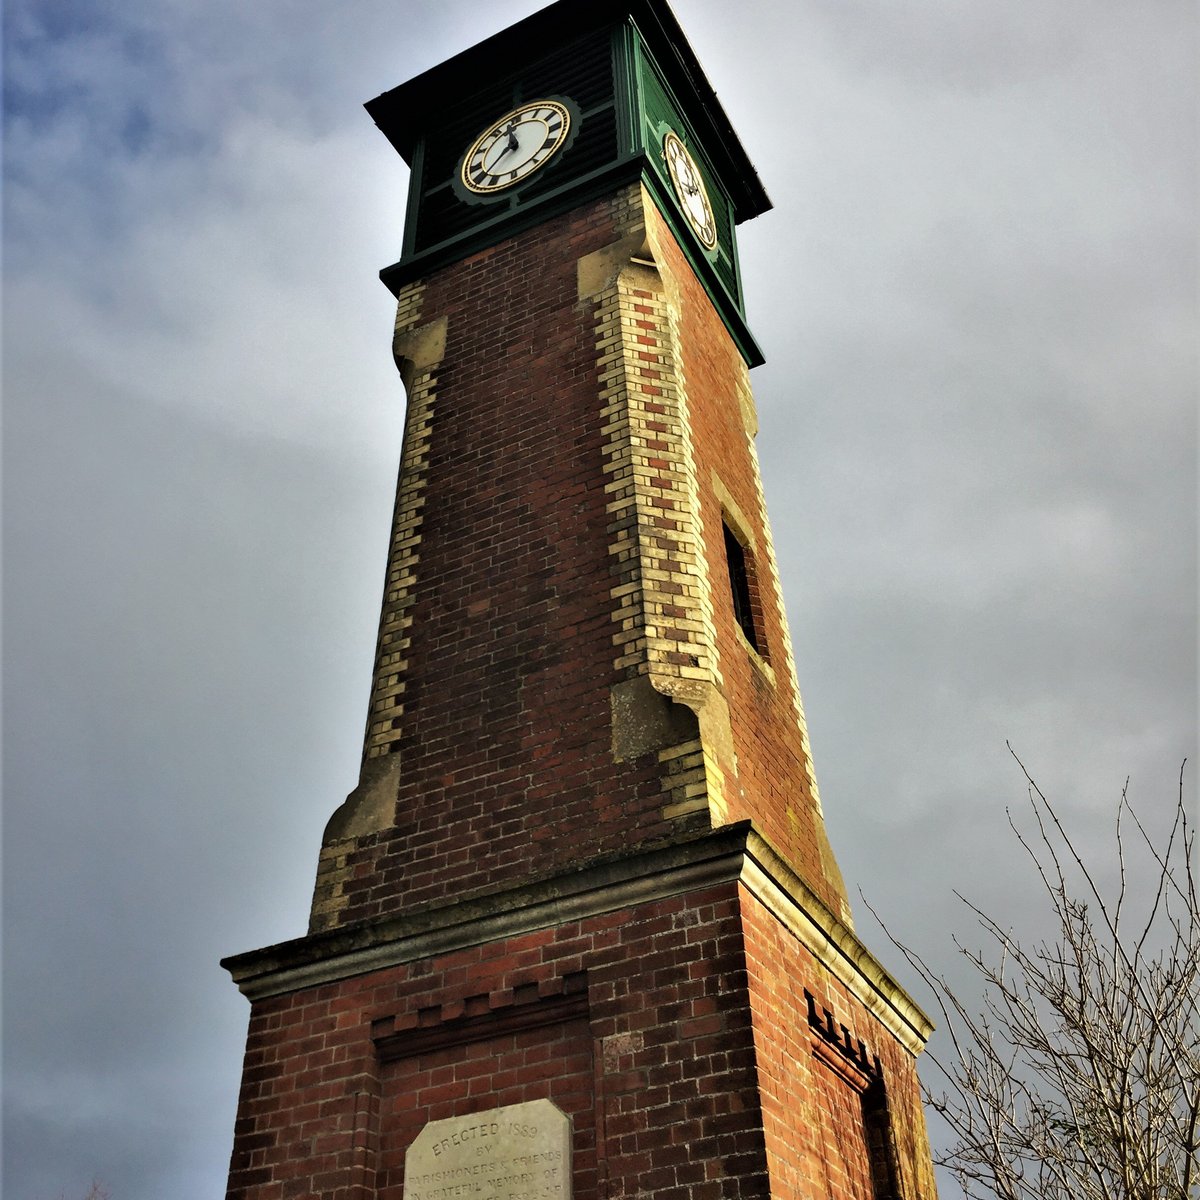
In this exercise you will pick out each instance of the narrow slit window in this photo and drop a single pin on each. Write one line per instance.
(740, 585)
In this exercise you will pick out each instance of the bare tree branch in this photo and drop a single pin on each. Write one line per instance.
(1078, 1077)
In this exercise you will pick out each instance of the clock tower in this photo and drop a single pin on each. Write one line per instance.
(578, 933)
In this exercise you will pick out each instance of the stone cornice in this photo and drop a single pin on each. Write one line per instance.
(601, 886)
(832, 943)
(735, 853)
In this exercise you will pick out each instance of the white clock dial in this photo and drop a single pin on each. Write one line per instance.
(690, 189)
(515, 146)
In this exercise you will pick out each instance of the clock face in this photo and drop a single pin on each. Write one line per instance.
(515, 146)
(689, 187)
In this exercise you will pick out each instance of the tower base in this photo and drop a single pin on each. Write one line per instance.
(706, 1026)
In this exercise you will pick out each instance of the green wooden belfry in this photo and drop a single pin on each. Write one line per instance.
(629, 75)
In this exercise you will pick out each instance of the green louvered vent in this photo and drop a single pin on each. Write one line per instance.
(582, 72)
(659, 109)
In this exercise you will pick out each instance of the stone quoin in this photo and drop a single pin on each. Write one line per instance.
(578, 931)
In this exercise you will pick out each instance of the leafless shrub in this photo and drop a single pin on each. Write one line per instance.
(1080, 1077)
(96, 1192)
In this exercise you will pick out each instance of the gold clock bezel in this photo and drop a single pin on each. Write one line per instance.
(548, 148)
(673, 150)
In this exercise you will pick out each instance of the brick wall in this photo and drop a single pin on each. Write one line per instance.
(773, 782)
(699, 1045)
(504, 741)
(821, 1049)
(577, 427)
(636, 1023)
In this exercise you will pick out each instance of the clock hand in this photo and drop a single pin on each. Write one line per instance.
(512, 145)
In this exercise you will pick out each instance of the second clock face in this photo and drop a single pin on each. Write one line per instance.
(515, 146)
(689, 187)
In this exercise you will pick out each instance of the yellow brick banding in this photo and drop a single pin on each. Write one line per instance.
(662, 604)
(384, 711)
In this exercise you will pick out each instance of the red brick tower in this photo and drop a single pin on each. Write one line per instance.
(578, 933)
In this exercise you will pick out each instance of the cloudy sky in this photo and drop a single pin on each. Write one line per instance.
(977, 298)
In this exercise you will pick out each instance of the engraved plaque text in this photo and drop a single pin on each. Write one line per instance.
(519, 1152)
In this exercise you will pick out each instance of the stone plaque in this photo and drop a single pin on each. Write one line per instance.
(519, 1152)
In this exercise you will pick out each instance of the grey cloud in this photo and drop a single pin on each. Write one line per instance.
(977, 298)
